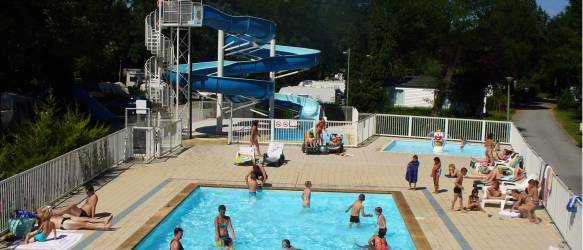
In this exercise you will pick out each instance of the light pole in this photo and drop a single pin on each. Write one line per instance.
(508, 80)
(347, 80)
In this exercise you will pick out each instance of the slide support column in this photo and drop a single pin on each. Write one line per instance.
(220, 65)
(272, 77)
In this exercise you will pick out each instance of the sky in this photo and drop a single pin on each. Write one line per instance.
(553, 7)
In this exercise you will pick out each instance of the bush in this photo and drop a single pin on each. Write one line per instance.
(567, 100)
(416, 111)
(53, 133)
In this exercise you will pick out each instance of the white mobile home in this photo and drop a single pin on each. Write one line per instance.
(414, 91)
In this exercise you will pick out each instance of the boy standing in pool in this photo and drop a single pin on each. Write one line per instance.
(357, 207)
(307, 194)
(252, 185)
(381, 222)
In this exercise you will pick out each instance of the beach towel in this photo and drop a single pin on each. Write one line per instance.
(65, 240)
(572, 203)
(548, 183)
(412, 168)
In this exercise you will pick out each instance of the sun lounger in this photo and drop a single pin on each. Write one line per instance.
(245, 155)
(509, 164)
(65, 240)
(501, 202)
(520, 186)
(274, 155)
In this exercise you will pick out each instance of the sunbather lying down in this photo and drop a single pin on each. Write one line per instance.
(336, 140)
(78, 223)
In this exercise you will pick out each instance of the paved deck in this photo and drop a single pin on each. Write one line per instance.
(139, 191)
(542, 131)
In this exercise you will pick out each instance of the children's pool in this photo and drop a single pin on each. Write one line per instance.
(275, 215)
(424, 147)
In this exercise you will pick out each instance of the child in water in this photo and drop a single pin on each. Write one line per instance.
(252, 185)
(307, 194)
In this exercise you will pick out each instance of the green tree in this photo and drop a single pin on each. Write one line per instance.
(54, 132)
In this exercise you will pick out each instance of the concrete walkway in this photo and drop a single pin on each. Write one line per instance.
(139, 191)
(542, 131)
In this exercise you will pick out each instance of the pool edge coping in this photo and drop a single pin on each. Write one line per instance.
(416, 233)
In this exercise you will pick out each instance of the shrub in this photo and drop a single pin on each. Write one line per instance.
(567, 100)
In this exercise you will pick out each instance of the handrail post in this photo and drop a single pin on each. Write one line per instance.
(272, 130)
(446, 128)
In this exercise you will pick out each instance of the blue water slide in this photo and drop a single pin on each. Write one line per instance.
(250, 31)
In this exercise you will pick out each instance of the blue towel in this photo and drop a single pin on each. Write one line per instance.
(572, 204)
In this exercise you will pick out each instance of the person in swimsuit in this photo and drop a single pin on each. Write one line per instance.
(286, 244)
(378, 242)
(519, 173)
(320, 126)
(259, 172)
(307, 194)
(252, 185)
(87, 210)
(474, 202)
(222, 223)
(435, 173)
(255, 136)
(44, 230)
(357, 208)
(494, 192)
(524, 205)
(463, 144)
(175, 243)
(489, 145)
(381, 222)
(78, 223)
(457, 189)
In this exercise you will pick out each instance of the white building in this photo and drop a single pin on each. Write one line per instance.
(324, 95)
(332, 84)
(414, 91)
(134, 77)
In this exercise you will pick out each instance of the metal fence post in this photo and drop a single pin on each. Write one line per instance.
(446, 128)
(410, 126)
(272, 130)
(483, 130)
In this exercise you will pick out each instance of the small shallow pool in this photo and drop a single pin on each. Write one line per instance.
(424, 147)
(275, 215)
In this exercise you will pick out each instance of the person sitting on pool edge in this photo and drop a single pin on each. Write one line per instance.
(222, 223)
(357, 208)
(252, 185)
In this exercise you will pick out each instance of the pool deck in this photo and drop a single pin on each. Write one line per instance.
(135, 193)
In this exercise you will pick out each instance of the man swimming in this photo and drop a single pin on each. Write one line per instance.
(357, 207)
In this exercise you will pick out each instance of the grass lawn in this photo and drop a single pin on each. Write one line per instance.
(498, 115)
(570, 120)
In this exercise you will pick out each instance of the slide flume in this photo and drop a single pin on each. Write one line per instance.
(252, 35)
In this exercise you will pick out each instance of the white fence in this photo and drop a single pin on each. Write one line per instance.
(358, 131)
(168, 136)
(569, 224)
(53, 179)
(454, 129)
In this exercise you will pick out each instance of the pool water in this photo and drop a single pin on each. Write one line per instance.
(424, 147)
(263, 222)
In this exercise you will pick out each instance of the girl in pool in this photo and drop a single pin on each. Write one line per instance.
(222, 223)
(435, 173)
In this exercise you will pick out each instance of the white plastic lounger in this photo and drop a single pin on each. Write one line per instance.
(65, 240)
(245, 155)
(502, 202)
(274, 154)
(520, 186)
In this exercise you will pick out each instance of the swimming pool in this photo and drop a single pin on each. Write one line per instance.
(275, 215)
(424, 147)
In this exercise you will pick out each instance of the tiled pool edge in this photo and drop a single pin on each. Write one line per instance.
(415, 231)
(145, 229)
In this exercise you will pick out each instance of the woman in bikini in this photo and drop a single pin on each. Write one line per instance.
(489, 145)
(255, 136)
(78, 223)
(320, 126)
(259, 172)
(222, 223)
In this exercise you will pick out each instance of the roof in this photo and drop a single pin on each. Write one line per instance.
(324, 95)
(426, 82)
